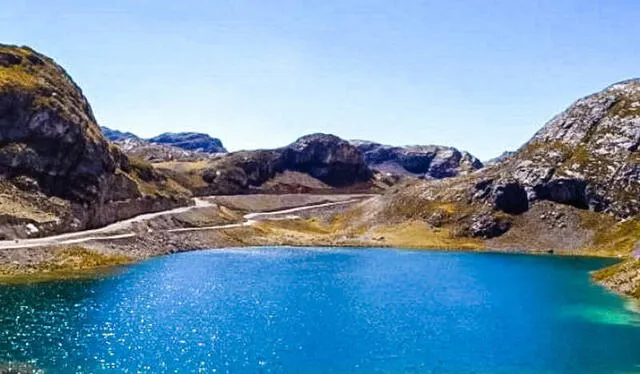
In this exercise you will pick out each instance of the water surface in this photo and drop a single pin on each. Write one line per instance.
(293, 310)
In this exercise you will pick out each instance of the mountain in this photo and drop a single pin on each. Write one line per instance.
(146, 151)
(116, 135)
(428, 161)
(313, 162)
(586, 157)
(191, 141)
(575, 182)
(57, 171)
(185, 146)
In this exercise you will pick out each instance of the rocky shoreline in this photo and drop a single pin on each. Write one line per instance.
(153, 239)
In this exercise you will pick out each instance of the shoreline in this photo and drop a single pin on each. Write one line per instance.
(241, 222)
(31, 275)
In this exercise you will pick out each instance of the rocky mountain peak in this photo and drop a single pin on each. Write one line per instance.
(55, 163)
(47, 129)
(586, 156)
(328, 158)
(428, 161)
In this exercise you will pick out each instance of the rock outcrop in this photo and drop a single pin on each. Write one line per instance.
(326, 158)
(50, 145)
(503, 157)
(428, 161)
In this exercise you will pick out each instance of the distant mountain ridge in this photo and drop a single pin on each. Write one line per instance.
(190, 141)
(117, 135)
(313, 162)
(428, 161)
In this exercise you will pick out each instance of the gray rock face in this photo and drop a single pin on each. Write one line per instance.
(152, 152)
(502, 158)
(587, 156)
(428, 161)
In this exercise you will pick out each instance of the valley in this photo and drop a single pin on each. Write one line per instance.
(75, 196)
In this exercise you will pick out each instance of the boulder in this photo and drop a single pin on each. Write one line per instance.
(486, 226)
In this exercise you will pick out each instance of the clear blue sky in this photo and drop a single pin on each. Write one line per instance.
(480, 75)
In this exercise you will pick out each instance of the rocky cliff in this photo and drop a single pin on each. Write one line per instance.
(313, 162)
(428, 161)
(56, 168)
(587, 157)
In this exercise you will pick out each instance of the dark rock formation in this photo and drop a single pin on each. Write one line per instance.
(486, 226)
(429, 161)
(327, 158)
(511, 198)
(191, 141)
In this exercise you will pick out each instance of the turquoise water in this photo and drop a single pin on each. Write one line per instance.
(292, 310)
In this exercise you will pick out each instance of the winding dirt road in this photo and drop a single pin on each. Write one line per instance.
(117, 227)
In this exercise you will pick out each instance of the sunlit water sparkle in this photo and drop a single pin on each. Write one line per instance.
(293, 310)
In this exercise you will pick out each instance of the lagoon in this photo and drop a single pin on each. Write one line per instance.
(325, 310)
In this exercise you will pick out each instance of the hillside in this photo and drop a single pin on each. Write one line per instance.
(57, 172)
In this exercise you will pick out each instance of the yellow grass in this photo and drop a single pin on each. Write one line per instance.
(66, 263)
(611, 237)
